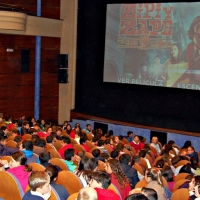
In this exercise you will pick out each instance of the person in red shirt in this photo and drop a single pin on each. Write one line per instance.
(100, 181)
(136, 144)
(84, 145)
(66, 144)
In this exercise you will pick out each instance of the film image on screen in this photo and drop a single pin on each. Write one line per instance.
(156, 44)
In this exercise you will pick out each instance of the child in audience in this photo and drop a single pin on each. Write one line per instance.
(5, 150)
(168, 174)
(96, 153)
(114, 154)
(19, 168)
(87, 193)
(100, 181)
(70, 157)
(129, 171)
(53, 173)
(39, 183)
(118, 178)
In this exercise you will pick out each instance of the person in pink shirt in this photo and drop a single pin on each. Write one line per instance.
(19, 168)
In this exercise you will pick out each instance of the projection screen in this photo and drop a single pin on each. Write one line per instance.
(156, 44)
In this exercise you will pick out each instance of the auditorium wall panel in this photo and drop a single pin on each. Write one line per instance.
(17, 88)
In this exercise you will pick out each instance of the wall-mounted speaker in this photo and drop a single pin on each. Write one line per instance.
(25, 61)
(63, 76)
(63, 61)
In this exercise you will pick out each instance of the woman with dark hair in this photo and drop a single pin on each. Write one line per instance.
(19, 168)
(175, 55)
(53, 173)
(186, 169)
(187, 144)
(118, 178)
(86, 164)
(168, 174)
(129, 171)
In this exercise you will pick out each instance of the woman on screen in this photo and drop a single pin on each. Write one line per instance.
(175, 55)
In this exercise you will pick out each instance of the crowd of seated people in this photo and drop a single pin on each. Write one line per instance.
(108, 165)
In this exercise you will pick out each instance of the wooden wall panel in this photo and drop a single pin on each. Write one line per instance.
(17, 88)
(50, 9)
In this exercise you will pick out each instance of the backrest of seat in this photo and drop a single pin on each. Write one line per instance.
(70, 181)
(138, 168)
(10, 188)
(27, 136)
(58, 145)
(59, 162)
(37, 167)
(78, 147)
(54, 153)
(182, 194)
(73, 196)
(179, 183)
(181, 176)
(11, 143)
(89, 155)
(141, 184)
(54, 195)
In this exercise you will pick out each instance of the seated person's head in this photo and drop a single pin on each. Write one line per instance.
(53, 172)
(44, 157)
(186, 169)
(69, 154)
(51, 139)
(160, 163)
(82, 140)
(87, 193)
(114, 154)
(142, 153)
(65, 140)
(59, 132)
(32, 131)
(15, 132)
(27, 145)
(96, 153)
(3, 140)
(39, 181)
(130, 134)
(154, 140)
(100, 179)
(18, 140)
(190, 150)
(150, 193)
(125, 158)
(119, 147)
(103, 157)
(137, 196)
(18, 159)
(26, 125)
(34, 138)
(40, 143)
(100, 143)
(120, 137)
(89, 163)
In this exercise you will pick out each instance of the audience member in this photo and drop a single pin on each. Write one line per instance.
(87, 193)
(60, 189)
(39, 183)
(118, 178)
(100, 181)
(129, 171)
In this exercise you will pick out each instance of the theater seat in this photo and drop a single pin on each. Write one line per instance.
(10, 188)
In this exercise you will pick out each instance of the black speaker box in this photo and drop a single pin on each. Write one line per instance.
(63, 76)
(25, 61)
(63, 61)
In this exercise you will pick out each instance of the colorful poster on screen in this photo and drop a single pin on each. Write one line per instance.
(156, 44)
